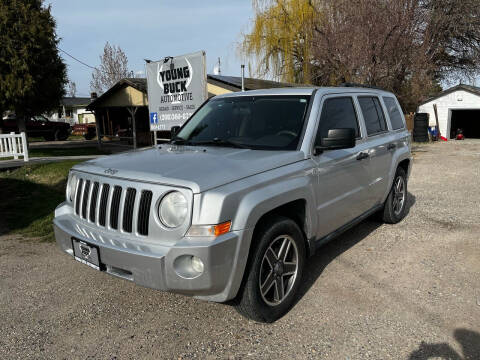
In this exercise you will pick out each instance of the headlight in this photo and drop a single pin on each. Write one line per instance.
(71, 186)
(173, 209)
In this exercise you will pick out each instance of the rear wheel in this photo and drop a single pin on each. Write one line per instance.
(395, 207)
(61, 135)
(275, 271)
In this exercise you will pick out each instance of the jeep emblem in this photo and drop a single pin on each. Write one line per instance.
(111, 171)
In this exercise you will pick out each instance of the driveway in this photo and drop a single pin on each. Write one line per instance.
(405, 291)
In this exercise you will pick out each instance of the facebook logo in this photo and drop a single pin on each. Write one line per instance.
(153, 118)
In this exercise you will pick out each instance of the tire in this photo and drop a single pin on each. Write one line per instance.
(49, 137)
(268, 305)
(393, 212)
(61, 135)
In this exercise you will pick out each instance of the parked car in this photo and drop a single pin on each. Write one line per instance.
(38, 126)
(250, 187)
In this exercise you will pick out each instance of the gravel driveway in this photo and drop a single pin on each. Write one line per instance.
(407, 291)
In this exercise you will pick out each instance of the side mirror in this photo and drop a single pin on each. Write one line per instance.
(337, 139)
(173, 131)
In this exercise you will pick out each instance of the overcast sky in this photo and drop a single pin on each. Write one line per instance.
(149, 30)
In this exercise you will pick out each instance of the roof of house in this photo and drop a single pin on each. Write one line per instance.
(233, 83)
(75, 101)
(471, 89)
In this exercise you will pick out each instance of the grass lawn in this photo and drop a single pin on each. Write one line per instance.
(29, 197)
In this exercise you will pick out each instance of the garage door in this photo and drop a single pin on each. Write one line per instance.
(466, 120)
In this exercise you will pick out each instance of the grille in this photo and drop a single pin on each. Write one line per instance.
(118, 206)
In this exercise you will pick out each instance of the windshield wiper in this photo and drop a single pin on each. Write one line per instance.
(221, 142)
(177, 140)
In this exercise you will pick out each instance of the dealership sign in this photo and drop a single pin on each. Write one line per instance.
(177, 86)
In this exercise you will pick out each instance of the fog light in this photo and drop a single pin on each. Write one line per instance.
(188, 266)
(197, 264)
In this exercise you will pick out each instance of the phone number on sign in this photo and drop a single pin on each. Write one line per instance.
(175, 117)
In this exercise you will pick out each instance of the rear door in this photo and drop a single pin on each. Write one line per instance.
(379, 146)
(342, 175)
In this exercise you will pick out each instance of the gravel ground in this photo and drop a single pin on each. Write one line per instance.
(407, 291)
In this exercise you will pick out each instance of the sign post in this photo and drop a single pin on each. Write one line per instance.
(177, 86)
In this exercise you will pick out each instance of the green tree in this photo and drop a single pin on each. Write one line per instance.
(32, 74)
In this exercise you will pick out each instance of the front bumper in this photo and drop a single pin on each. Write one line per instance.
(152, 264)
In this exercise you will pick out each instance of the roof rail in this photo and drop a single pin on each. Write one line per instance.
(347, 84)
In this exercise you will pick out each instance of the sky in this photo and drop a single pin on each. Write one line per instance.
(148, 29)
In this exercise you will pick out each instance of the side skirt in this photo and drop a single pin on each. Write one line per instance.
(322, 241)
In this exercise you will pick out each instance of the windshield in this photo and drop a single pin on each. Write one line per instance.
(261, 122)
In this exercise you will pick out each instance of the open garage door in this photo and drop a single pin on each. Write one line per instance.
(468, 121)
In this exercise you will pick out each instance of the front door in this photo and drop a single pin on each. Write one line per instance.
(342, 175)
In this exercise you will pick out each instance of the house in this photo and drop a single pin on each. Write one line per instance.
(124, 106)
(457, 108)
(74, 111)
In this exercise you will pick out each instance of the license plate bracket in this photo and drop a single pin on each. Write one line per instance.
(86, 253)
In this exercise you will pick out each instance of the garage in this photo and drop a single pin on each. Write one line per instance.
(457, 108)
(468, 121)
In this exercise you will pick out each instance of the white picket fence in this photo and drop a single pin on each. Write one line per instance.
(13, 145)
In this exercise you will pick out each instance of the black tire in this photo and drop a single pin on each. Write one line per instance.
(88, 136)
(49, 137)
(392, 213)
(251, 302)
(61, 135)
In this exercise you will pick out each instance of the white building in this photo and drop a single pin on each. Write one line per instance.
(458, 108)
(73, 110)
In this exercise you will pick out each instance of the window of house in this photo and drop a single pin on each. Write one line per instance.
(372, 114)
(394, 113)
(337, 113)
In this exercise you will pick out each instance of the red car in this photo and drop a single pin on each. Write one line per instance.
(38, 126)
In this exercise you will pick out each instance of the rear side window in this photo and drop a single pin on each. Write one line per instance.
(394, 113)
(372, 114)
(337, 113)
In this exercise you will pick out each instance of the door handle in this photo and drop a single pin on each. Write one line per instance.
(391, 146)
(362, 155)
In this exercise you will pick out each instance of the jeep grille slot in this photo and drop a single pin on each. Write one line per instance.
(144, 212)
(128, 209)
(114, 209)
(86, 192)
(102, 214)
(78, 196)
(93, 201)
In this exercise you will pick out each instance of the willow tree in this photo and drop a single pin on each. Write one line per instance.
(281, 39)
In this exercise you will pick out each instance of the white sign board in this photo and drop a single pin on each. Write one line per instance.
(177, 86)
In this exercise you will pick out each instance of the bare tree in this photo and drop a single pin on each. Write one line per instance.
(113, 67)
(406, 46)
(72, 89)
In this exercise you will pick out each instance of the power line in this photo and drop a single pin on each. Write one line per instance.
(85, 64)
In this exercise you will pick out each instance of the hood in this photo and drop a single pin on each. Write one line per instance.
(194, 167)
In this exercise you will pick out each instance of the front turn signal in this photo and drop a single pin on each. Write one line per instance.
(209, 230)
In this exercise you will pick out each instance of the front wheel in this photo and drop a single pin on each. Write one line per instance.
(275, 271)
(395, 207)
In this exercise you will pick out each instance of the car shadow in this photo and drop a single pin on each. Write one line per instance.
(330, 251)
(469, 341)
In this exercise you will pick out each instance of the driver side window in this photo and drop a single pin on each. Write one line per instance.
(337, 113)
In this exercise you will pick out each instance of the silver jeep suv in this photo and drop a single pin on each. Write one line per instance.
(253, 184)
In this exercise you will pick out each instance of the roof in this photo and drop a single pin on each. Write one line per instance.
(234, 83)
(471, 89)
(75, 101)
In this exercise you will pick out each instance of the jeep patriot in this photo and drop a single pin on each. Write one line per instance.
(249, 187)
